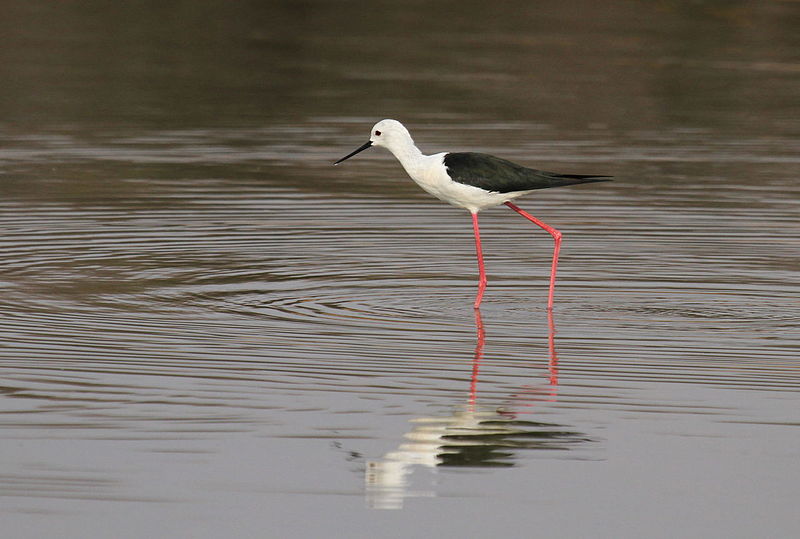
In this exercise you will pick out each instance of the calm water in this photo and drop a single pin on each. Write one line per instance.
(208, 331)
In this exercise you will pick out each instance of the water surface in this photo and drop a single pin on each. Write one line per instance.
(207, 330)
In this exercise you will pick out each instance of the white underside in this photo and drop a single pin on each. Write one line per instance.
(431, 174)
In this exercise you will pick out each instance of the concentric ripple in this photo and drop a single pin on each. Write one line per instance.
(205, 290)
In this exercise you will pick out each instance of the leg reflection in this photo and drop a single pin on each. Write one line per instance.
(468, 435)
(552, 365)
(476, 357)
(530, 395)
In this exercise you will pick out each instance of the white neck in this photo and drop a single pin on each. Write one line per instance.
(407, 153)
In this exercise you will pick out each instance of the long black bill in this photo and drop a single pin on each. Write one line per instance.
(359, 149)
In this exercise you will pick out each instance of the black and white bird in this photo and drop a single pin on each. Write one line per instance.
(473, 181)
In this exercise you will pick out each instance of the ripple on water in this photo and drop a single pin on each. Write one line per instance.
(221, 294)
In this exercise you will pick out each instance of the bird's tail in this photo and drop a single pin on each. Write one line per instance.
(557, 180)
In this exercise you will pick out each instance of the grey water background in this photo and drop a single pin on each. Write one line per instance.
(208, 331)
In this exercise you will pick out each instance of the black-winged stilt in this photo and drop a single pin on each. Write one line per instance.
(473, 181)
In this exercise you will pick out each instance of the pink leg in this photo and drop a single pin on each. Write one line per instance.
(481, 269)
(556, 236)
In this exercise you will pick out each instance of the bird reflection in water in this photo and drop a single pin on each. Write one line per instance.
(472, 436)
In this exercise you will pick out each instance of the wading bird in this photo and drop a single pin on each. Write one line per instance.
(473, 181)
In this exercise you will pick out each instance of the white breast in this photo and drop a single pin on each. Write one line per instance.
(431, 174)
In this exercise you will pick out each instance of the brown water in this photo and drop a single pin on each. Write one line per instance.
(208, 331)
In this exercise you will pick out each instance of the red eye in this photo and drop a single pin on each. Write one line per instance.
(377, 133)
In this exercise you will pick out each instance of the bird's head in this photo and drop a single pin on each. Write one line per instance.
(386, 134)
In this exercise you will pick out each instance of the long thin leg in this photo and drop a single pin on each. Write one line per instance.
(479, 251)
(556, 237)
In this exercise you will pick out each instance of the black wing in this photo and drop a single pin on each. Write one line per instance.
(500, 176)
